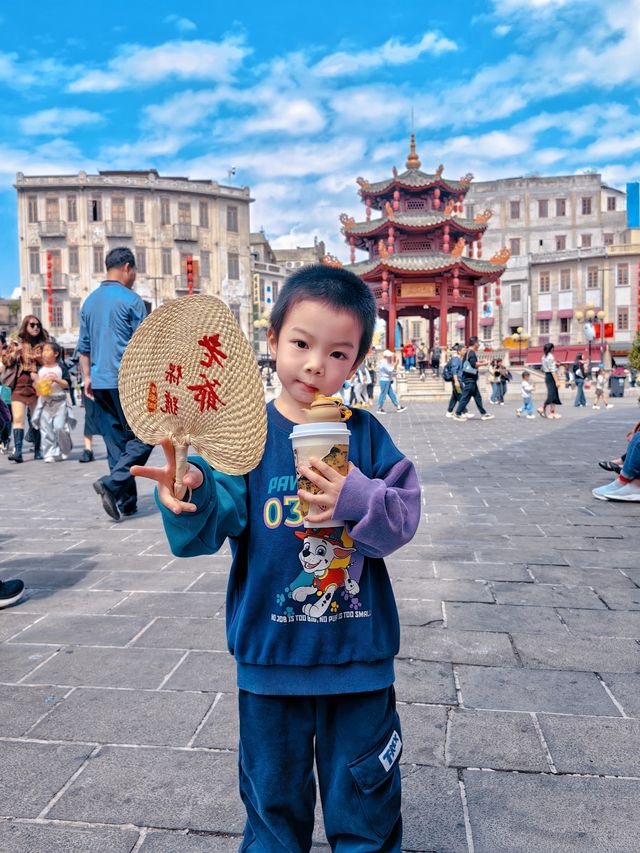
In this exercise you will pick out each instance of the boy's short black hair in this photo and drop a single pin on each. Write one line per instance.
(334, 286)
(525, 373)
(55, 346)
(473, 341)
(118, 257)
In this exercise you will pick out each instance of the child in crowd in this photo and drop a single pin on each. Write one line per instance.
(50, 416)
(601, 390)
(308, 683)
(526, 389)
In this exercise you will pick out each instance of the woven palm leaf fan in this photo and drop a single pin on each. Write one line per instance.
(189, 374)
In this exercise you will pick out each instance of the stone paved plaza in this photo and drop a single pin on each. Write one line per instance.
(518, 676)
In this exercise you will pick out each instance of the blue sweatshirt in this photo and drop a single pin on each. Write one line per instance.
(309, 611)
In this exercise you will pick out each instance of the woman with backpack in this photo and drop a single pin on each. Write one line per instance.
(422, 357)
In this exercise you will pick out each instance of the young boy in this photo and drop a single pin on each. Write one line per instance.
(308, 684)
(526, 389)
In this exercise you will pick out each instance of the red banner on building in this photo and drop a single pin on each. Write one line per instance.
(608, 330)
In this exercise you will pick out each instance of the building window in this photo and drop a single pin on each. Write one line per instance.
(586, 206)
(95, 209)
(75, 314)
(561, 207)
(565, 325)
(204, 214)
(138, 208)
(274, 290)
(470, 210)
(232, 218)
(235, 310)
(141, 259)
(543, 327)
(74, 260)
(233, 265)
(611, 202)
(544, 282)
(585, 241)
(98, 259)
(514, 210)
(592, 277)
(608, 239)
(166, 262)
(184, 213)
(622, 319)
(32, 208)
(205, 264)
(72, 208)
(561, 242)
(622, 278)
(543, 207)
(34, 261)
(415, 330)
(57, 316)
(514, 245)
(515, 293)
(165, 212)
(565, 279)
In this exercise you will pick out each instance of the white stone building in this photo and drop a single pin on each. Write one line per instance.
(77, 219)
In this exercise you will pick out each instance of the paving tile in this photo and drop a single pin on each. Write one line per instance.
(163, 788)
(502, 741)
(621, 599)
(445, 644)
(504, 617)
(506, 689)
(14, 622)
(594, 745)
(578, 653)
(524, 813)
(163, 718)
(546, 595)
(70, 600)
(31, 773)
(419, 612)
(597, 578)
(185, 633)
(424, 681)
(175, 842)
(211, 582)
(22, 706)
(84, 666)
(447, 570)
(171, 604)
(626, 690)
(212, 672)
(598, 623)
(423, 734)
(221, 729)
(30, 837)
(441, 590)
(18, 660)
(147, 581)
(432, 810)
(84, 630)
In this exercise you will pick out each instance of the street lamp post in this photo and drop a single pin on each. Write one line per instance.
(586, 317)
(519, 337)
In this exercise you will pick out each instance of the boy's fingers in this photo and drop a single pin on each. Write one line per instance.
(313, 476)
(157, 474)
(326, 470)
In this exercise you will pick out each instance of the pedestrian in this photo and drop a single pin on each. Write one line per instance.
(470, 374)
(360, 380)
(51, 413)
(453, 368)
(435, 360)
(578, 371)
(505, 378)
(422, 357)
(311, 686)
(409, 352)
(370, 364)
(633, 375)
(601, 390)
(386, 375)
(21, 363)
(496, 382)
(550, 368)
(91, 426)
(109, 317)
(526, 391)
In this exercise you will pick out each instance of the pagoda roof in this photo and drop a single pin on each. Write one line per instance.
(432, 262)
(414, 220)
(413, 179)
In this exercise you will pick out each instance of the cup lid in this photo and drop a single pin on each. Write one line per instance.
(328, 428)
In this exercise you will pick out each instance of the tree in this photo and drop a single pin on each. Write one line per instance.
(634, 355)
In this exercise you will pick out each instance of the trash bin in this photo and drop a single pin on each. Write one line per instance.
(617, 386)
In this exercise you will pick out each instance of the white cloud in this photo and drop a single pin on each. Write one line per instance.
(296, 117)
(182, 24)
(44, 71)
(187, 109)
(136, 67)
(502, 30)
(392, 52)
(57, 121)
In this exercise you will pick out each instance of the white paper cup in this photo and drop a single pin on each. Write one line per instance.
(328, 441)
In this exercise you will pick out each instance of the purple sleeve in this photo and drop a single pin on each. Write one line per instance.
(381, 515)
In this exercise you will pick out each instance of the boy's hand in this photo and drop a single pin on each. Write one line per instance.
(165, 478)
(330, 483)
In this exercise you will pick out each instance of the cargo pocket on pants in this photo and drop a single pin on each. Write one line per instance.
(377, 778)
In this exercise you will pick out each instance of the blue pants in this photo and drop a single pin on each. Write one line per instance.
(527, 406)
(123, 448)
(580, 398)
(356, 740)
(387, 388)
(631, 467)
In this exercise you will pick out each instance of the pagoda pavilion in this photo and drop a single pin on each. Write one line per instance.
(424, 256)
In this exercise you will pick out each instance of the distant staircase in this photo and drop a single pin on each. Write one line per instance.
(411, 387)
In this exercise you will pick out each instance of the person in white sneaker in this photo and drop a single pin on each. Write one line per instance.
(550, 368)
(470, 372)
(386, 375)
(601, 390)
(626, 487)
(526, 390)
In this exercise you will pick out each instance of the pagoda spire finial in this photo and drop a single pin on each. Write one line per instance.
(413, 161)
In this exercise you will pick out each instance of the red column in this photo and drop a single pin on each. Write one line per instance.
(474, 317)
(444, 308)
(467, 325)
(432, 328)
(391, 320)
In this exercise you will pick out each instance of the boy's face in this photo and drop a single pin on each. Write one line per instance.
(315, 352)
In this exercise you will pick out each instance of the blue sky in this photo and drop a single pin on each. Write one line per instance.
(302, 98)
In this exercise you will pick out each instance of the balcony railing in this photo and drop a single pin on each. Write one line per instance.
(182, 231)
(59, 281)
(182, 285)
(53, 228)
(118, 228)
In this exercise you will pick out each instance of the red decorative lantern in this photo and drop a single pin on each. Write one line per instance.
(479, 248)
(189, 275)
(436, 198)
(385, 296)
(50, 288)
(456, 293)
(352, 241)
(396, 199)
(485, 307)
(368, 203)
